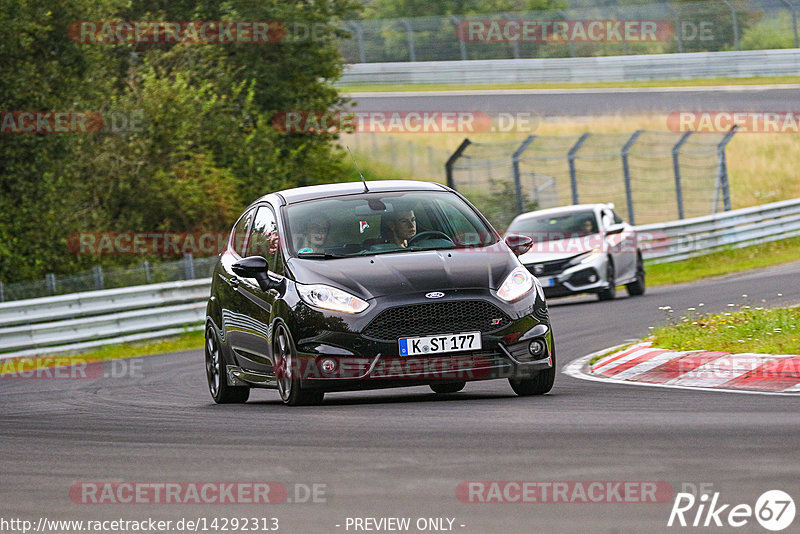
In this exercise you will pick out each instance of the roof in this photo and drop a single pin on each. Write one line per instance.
(562, 209)
(313, 192)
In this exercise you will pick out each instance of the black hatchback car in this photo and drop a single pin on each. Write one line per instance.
(372, 285)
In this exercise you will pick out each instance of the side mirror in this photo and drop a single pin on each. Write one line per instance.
(519, 244)
(256, 267)
(615, 229)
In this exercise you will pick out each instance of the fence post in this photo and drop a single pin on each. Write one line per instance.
(97, 272)
(50, 282)
(411, 155)
(676, 167)
(514, 44)
(723, 170)
(448, 167)
(571, 155)
(515, 165)
(148, 273)
(462, 43)
(412, 54)
(678, 28)
(2, 293)
(793, 9)
(188, 266)
(735, 20)
(627, 173)
(359, 39)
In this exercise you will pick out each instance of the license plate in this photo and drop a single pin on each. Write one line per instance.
(439, 344)
(549, 282)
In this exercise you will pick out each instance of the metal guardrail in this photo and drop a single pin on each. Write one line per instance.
(80, 321)
(678, 240)
(86, 320)
(784, 62)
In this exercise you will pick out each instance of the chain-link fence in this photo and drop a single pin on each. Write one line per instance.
(650, 176)
(188, 268)
(403, 158)
(676, 27)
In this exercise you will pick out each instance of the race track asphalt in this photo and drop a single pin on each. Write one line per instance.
(403, 452)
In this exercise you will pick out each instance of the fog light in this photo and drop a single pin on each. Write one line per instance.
(593, 278)
(537, 348)
(328, 366)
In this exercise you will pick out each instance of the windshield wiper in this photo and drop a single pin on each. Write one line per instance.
(320, 255)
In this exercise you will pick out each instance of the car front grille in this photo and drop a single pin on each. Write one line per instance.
(548, 267)
(461, 366)
(436, 318)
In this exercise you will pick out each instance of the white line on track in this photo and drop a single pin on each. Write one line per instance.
(577, 90)
(576, 369)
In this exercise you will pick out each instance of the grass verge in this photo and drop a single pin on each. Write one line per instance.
(706, 82)
(775, 331)
(186, 341)
(724, 262)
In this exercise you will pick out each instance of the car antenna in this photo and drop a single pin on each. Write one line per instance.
(366, 189)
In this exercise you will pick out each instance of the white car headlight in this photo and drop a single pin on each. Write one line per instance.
(586, 257)
(331, 298)
(516, 285)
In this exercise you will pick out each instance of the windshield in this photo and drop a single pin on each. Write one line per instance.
(377, 223)
(556, 226)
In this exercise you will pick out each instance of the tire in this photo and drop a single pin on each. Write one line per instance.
(221, 392)
(637, 287)
(611, 291)
(448, 387)
(539, 384)
(289, 387)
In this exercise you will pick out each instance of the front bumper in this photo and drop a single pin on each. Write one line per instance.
(586, 277)
(347, 354)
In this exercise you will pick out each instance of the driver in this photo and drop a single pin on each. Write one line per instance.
(403, 226)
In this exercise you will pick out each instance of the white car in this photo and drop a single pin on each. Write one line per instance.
(585, 248)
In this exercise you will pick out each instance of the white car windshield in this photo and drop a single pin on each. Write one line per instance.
(376, 223)
(556, 226)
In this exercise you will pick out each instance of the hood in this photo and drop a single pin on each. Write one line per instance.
(543, 251)
(409, 272)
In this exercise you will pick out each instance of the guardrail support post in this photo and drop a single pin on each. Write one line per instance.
(188, 264)
(723, 170)
(412, 53)
(50, 282)
(448, 167)
(627, 173)
(97, 273)
(676, 167)
(571, 155)
(515, 165)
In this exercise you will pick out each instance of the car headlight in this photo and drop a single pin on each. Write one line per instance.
(516, 285)
(331, 298)
(585, 257)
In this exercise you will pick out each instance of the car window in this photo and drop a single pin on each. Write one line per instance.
(239, 234)
(552, 227)
(264, 239)
(617, 218)
(375, 223)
